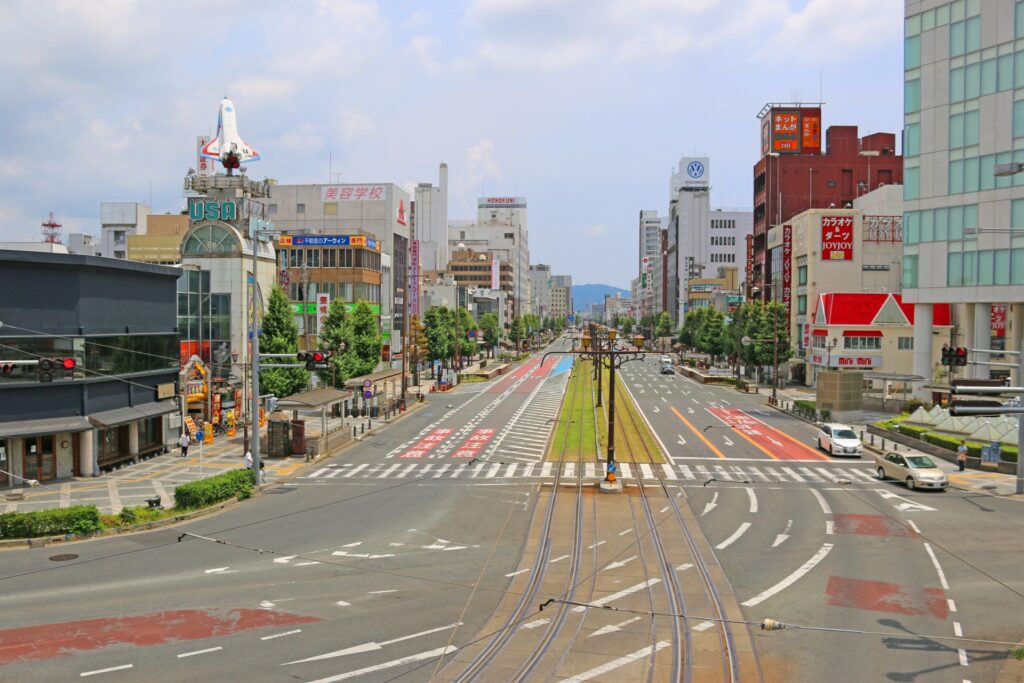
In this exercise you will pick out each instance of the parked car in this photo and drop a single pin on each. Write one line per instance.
(839, 439)
(917, 471)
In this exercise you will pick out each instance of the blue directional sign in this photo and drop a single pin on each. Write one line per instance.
(199, 436)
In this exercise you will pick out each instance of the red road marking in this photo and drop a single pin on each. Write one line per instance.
(427, 443)
(474, 443)
(870, 525)
(69, 638)
(879, 596)
(503, 384)
(766, 437)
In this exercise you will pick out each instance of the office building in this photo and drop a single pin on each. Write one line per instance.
(119, 220)
(540, 290)
(430, 222)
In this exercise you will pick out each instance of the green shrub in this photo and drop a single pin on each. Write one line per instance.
(78, 520)
(205, 492)
(826, 415)
(912, 430)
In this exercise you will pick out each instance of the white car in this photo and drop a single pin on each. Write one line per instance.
(839, 439)
(917, 471)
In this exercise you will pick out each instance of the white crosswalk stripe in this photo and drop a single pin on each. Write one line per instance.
(494, 468)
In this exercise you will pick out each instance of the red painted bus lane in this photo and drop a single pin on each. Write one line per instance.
(879, 596)
(427, 443)
(69, 638)
(767, 439)
(474, 444)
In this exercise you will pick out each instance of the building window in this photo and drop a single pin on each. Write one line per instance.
(801, 305)
(912, 96)
(330, 208)
(911, 183)
(956, 84)
(273, 209)
(912, 52)
(912, 142)
(862, 343)
(300, 209)
(875, 267)
(905, 343)
(909, 272)
(801, 275)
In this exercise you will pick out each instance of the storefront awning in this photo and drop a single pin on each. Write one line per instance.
(157, 408)
(50, 425)
(317, 398)
(820, 333)
(862, 333)
(118, 416)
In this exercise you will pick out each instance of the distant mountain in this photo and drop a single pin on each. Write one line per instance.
(583, 295)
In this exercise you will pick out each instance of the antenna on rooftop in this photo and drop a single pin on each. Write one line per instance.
(51, 230)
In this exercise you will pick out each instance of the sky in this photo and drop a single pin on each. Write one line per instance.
(581, 106)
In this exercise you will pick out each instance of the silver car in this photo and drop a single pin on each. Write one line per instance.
(917, 471)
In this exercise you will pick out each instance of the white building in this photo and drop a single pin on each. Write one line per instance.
(540, 290)
(83, 244)
(561, 296)
(700, 239)
(118, 220)
(431, 222)
(963, 119)
(378, 209)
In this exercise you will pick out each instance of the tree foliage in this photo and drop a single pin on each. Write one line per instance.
(492, 330)
(467, 346)
(364, 342)
(333, 337)
(663, 328)
(279, 335)
(439, 327)
(762, 322)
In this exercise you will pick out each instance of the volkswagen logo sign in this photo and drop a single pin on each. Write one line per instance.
(695, 169)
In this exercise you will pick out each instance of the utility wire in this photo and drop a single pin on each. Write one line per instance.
(97, 372)
(91, 343)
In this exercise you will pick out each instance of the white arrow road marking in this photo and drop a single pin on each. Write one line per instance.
(728, 441)
(774, 442)
(430, 654)
(906, 505)
(691, 411)
(612, 628)
(712, 505)
(742, 529)
(618, 663)
(286, 559)
(657, 409)
(534, 624)
(682, 441)
(621, 594)
(372, 646)
(784, 536)
(622, 563)
(792, 578)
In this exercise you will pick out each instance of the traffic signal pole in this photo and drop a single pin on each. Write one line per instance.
(253, 332)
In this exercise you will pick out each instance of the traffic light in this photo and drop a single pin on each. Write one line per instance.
(314, 360)
(7, 369)
(961, 356)
(947, 355)
(47, 366)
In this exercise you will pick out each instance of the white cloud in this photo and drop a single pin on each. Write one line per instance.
(419, 19)
(356, 125)
(258, 90)
(422, 48)
(596, 230)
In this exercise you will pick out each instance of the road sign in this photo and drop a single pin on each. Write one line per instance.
(471, 333)
(367, 383)
(746, 340)
(199, 436)
(367, 394)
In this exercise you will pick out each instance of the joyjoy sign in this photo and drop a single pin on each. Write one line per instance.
(837, 238)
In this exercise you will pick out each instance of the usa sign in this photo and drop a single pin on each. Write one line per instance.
(837, 238)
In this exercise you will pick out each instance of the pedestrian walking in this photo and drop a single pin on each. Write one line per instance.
(248, 460)
(961, 455)
(184, 441)
(263, 474)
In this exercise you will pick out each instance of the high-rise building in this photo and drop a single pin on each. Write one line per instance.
(962, 187)
(540, 290)
(561, 296)
(796, 173)
(430, 224)
(118, 220)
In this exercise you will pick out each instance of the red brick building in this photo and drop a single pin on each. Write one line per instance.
(795, 174)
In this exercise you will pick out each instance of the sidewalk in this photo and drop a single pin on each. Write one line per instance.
(158, 476)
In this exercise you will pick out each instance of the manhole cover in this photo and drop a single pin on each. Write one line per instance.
(64, 557)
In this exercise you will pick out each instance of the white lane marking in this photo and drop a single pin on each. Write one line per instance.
(281, 635)
(735, 536)
(712, 505)
(622, 593)
(792, 578)
(753, 501)
(964, 661)
(821, 501)
(419, 657)
(266, 604)
(373, 646)
(103, 671)
(784, 536)
(621, 563)
(200, 652)
(913, 526)
(389, 590)
(352, 545)
(612, 628)
(662, 510)
(342, 603)
(559, 559)
(907, 505)
(618, 663)
(594, 545)
(938, 567)
(624, 532)
(534, 624)
(517, 573)
(952, 605)
(830, 527)
(220, 570)
(957, 631)
(286, 559)
(703, 626)
(683, 567)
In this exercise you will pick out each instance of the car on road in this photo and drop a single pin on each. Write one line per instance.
(839, 439)
(666, 366)
(916, 471)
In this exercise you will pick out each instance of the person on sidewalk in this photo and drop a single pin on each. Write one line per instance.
(961, 455)
(263, 474)
(248, 460)
(184, 441)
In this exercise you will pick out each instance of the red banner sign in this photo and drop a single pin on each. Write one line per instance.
(750, 261)
(787, 271)
(837, 238)
(998, 320)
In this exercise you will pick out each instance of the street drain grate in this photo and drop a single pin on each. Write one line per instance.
(64, 557)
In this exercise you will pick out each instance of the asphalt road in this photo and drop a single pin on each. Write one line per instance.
(396, 559)
(801, 548)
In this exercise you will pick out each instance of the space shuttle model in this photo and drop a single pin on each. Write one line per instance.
(227, 147)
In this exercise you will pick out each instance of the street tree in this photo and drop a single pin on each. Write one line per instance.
(280, 335)
(492, 330)
(440, 331)
(710, 336)
(417, 346)
(515, 330)
(467, 345)
(334, 336)
(364, 342)
(664, 326)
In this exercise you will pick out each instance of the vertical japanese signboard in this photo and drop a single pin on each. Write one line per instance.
(810, 135)
(323, 309)
(495, 273)
(204, 166)
(787, 271)
(750, 261)
(837, 238)
(786, 131)
(998, 320)
(414, 277)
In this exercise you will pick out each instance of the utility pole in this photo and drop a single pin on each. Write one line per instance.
(254, 333)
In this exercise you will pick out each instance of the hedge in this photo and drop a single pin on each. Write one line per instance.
(912, 430)
(205, 492)
(1007, 453)
(78, 520)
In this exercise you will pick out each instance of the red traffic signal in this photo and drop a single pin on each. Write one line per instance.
(6, 370)
(961, 356)
(68, 363)
(318, 357)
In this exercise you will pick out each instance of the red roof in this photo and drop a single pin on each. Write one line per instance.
(862, 308)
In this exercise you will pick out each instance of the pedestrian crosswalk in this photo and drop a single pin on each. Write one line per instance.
(592, 471)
